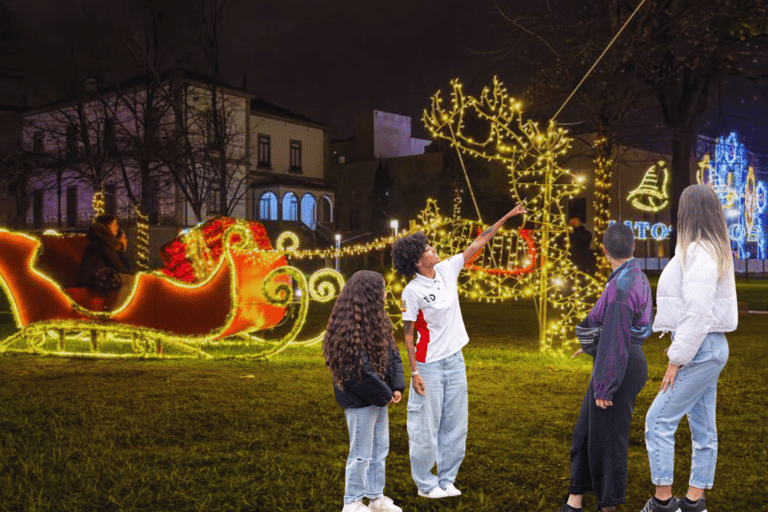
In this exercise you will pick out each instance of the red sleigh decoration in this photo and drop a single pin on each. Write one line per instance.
(37, 275)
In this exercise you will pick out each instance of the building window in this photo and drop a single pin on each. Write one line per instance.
(268, 206)
(354, 220)
(214, 201)
(37, 209)
(290, 206)
(38, 145)
(72, 148)
(296, 155)
(265, 151)
(309, 210)
(110, 200)
(110, 144)
(71, 207)
(326, 209)
(153, 204)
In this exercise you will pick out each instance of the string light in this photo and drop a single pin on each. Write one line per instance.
(530, 154)
(98, 203)
(742, 196)
(652, 195)
(601, 200)
(142, 239)
(257, 289)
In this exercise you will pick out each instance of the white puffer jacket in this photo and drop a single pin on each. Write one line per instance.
(693, 302)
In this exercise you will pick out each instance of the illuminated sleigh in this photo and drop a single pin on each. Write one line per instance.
(248, 291)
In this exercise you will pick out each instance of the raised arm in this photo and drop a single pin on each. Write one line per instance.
(486, 235)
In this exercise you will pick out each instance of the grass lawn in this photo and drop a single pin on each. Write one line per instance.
(178, 435)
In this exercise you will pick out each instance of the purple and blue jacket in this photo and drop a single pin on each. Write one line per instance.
(625, 313)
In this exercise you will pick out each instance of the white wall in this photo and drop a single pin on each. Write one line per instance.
(281, 133)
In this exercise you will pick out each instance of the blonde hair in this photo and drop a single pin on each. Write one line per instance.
(700, 219)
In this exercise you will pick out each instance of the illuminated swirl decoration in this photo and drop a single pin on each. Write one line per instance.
(563, 295)
(742, 196)
(652, 195)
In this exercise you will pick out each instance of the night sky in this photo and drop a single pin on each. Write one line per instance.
(328, 60)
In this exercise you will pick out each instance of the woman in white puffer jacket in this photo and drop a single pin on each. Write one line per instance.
(696, 303)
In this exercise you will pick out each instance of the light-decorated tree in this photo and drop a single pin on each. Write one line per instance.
(534, 262)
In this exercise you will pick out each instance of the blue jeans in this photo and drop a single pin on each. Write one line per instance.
(437, 422)
(368, 447)
(695, 394)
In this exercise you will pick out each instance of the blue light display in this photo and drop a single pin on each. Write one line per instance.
(742, 196)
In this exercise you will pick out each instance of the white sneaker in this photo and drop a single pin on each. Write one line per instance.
(451, 490)
(384, 504)
(437, 492)
(355, 506)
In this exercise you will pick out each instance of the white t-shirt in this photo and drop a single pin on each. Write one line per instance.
(433, 304)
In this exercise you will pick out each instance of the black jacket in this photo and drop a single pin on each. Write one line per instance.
(105, 250)
(370, 389)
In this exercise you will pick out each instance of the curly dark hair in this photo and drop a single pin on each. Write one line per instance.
(358, 324)
(407, 251)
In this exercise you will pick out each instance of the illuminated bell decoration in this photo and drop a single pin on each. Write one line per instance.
(652, 195)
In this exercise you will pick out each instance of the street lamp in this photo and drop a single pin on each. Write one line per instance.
(394, 225)
(338, 248)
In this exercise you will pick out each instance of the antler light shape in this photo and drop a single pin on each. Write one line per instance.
(491, 127)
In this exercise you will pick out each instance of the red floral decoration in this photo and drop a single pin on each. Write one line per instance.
(177, 262)
(526, 236)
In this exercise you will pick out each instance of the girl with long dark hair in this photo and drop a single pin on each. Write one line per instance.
(367, 371)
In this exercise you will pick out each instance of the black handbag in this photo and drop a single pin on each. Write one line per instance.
(589, 337)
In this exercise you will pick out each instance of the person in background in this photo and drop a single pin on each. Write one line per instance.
(580, 241)
(437, 400)
(362, 356)
(696, 303)
(105, 267)
(623, 312)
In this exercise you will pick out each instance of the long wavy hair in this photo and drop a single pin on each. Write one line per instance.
(358, 324)
(700, 219)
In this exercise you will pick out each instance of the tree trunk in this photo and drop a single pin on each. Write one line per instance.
(682, 147)
(22, 203)
(683, 101)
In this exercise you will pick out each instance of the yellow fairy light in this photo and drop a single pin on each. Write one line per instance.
(66, 321)
(652, 195)
(98, 203)
(142, 239)
(529, 153)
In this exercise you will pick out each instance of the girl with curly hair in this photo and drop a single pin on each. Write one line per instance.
(367, 371)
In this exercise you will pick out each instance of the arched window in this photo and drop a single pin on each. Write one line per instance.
(309, 210)
(326, 209)
(290, 206)
(268, 206)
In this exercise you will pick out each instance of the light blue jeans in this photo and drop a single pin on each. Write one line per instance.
(437, 422)
(368, 447)
(695, 394)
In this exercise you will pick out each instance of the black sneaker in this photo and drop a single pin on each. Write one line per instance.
(568, 508)
(655, 506)
(696, 506)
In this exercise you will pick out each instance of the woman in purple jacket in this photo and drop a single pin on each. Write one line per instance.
(361, 353)
(601, 437)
